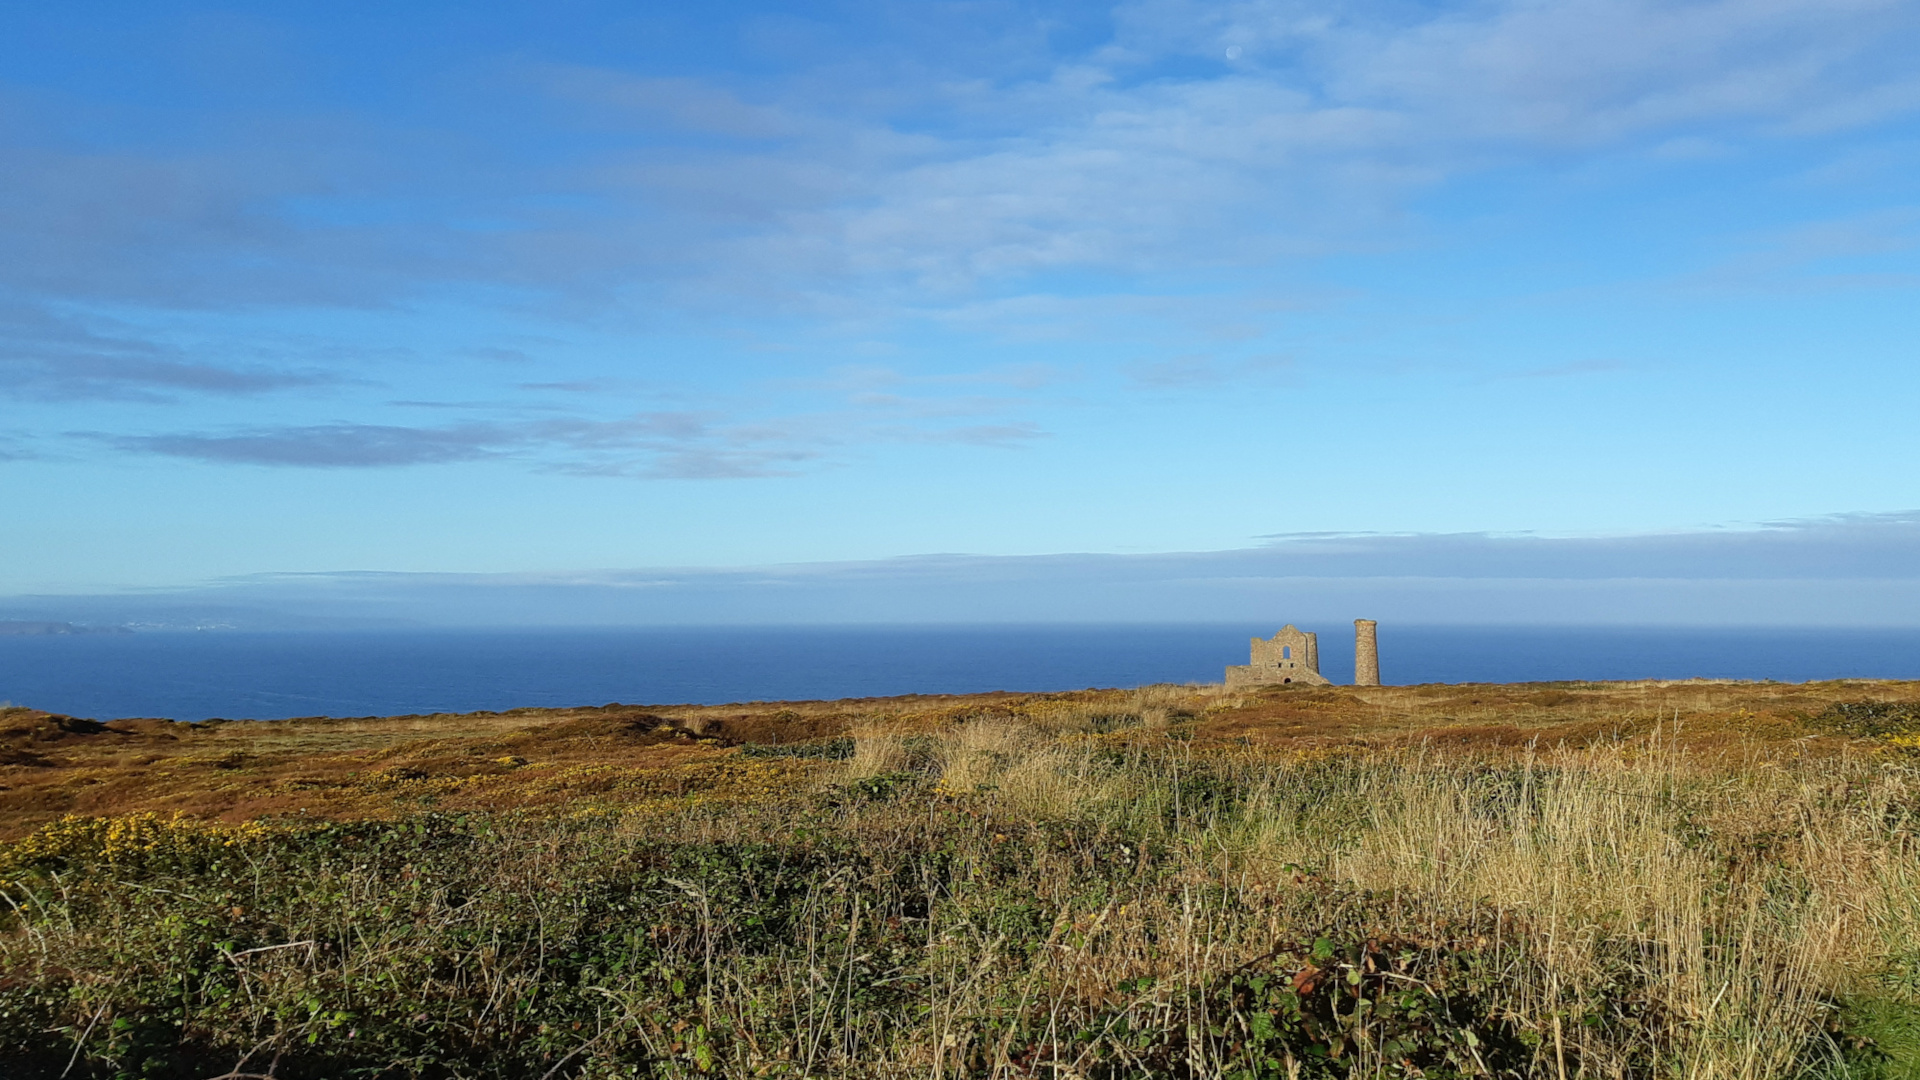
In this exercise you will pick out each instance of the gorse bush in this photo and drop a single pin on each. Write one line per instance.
(1898, 721)
(1006, 899)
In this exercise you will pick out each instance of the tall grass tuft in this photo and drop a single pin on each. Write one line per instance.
(1080, 893)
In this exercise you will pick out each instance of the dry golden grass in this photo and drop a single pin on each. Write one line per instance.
(1688, 879)
(365, 767)
(1734, 899)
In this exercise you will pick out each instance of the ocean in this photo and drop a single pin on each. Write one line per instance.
(199, 675)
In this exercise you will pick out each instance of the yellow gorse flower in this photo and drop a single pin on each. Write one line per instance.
(118, 838)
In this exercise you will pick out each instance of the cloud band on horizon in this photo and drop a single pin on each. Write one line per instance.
(1845, 570)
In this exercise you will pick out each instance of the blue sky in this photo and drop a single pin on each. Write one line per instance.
(571, 288)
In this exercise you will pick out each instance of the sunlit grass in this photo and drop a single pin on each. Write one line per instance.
(1689, 880)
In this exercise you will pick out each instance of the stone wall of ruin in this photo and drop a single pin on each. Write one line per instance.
(1366, 653)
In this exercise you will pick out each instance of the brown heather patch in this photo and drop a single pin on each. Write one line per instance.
(372, 767)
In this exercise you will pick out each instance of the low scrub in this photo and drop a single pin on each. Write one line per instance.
(1076, 896)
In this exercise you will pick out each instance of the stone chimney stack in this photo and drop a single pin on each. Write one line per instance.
(1366, 653)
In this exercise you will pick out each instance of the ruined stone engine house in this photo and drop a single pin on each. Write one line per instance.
(1292, 656)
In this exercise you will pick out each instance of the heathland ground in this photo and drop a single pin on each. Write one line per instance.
(1685, 879)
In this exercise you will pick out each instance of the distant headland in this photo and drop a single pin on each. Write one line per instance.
(32, 628)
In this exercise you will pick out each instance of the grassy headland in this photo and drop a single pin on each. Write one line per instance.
(1591, 880)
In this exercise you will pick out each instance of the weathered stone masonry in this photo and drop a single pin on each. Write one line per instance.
(1290, 656)
(1293, 656)
(1366, 653)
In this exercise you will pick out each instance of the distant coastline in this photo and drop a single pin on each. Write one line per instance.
(30, 628)
(276, 675)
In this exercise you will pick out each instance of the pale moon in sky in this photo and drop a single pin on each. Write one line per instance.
(1233, 52)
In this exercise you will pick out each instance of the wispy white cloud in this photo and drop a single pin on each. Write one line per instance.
(659, 445)
(327, 445)
(955, 191)
(1103, 159)
(47, 356)
(1851, 251)
(678, 445)
(1567, 74)
(1312, 141)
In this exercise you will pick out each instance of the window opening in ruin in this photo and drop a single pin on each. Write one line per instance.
(1286, 652)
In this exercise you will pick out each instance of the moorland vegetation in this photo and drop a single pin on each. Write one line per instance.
(1693, 879)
